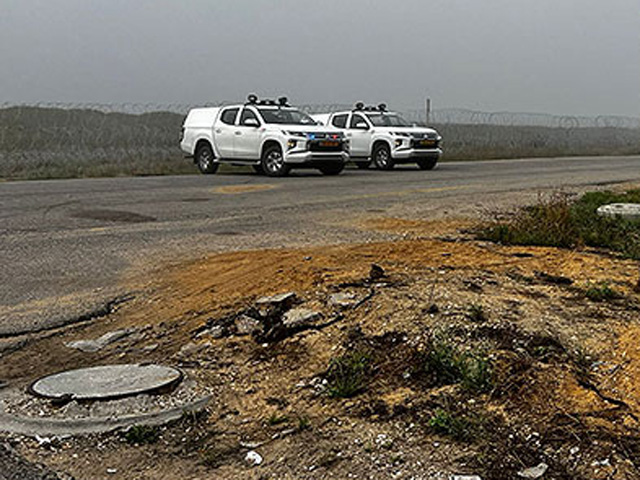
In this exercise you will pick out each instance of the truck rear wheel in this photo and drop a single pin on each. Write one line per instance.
(382, 157)
(332, 169)
(205, 159)
(273, 162)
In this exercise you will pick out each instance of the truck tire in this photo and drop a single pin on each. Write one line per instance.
(363, 165)
(332, 168)
(205, 159)
(381, 157)
(427, 163)
(273, 162)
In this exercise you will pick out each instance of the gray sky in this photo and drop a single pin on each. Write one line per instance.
(558, 56)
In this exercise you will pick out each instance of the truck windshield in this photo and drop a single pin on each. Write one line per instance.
(286, 116)
(387, 120)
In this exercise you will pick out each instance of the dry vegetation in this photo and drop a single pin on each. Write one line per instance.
(463, 356)
(38, 143)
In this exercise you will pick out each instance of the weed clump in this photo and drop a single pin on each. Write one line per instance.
(600, 292)
(477, 313)
(561, 222)
(348, 375)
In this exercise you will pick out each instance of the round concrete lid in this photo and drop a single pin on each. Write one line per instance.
(628, 211)
(107, 382)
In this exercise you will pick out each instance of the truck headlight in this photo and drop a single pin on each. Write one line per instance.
(291, 144)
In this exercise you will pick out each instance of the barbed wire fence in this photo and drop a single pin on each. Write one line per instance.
(42, 140)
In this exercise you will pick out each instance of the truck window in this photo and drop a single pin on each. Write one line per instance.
(339, 121)
(246, 115)
(355, 119)
(229, 116)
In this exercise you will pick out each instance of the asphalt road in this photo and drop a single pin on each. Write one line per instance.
(73, 242)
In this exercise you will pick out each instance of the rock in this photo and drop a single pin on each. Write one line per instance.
(534, 472)
(90, 346)
(191, 349)
(343, 300)
(626, 211)
(376, 272)
(3, 384)
(246, 325)
(253, 458)
(300, 317)
(466, 477)
(151, 348)
(280, 299)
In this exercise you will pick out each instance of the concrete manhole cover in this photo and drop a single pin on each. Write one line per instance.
(107, 382)
(628, 211)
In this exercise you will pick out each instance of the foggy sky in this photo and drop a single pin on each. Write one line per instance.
(579, 57)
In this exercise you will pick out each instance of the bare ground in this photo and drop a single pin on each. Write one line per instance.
(565, 370)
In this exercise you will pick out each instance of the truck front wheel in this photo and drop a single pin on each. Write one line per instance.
(273, 162)
(205, 159)
(382, 157)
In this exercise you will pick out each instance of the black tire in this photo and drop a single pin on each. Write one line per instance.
(272, 162)
(332, 169)
(427, 163)
(381, 157)
(258, 169)
(363, 165)
(205, 159)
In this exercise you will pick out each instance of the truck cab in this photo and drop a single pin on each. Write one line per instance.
(269, 135)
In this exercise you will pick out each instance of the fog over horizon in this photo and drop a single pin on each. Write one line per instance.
(573, 57)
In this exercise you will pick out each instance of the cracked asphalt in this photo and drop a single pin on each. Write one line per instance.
(66, 246)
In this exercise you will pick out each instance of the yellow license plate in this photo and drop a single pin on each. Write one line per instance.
(427, 143)
(329, 144)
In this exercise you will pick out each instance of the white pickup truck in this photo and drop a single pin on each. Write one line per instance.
(269, 135)
(384, 138)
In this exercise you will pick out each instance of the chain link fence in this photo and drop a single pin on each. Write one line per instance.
(51, 140)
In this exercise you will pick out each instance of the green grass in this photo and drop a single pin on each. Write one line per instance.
(600, 292)
(277, 419)
(447, 365)
(558, 221)
(458, 427)
(349, 374)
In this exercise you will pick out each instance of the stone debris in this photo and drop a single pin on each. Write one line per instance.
(376, 272)
(191, 349)
(3, 384)
(253, 458)
(300, 317)
(534, 472)
(91, 346)
(626, 211)
(343, 300)
(466, 477)
(246, 325)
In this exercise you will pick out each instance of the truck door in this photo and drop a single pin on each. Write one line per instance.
(224, 132)
(247, 136)
(359, 134)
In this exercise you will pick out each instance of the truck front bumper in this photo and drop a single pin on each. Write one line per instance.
(307, 157)
(412, 154)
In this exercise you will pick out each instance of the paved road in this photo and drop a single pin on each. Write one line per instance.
(64, 242)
